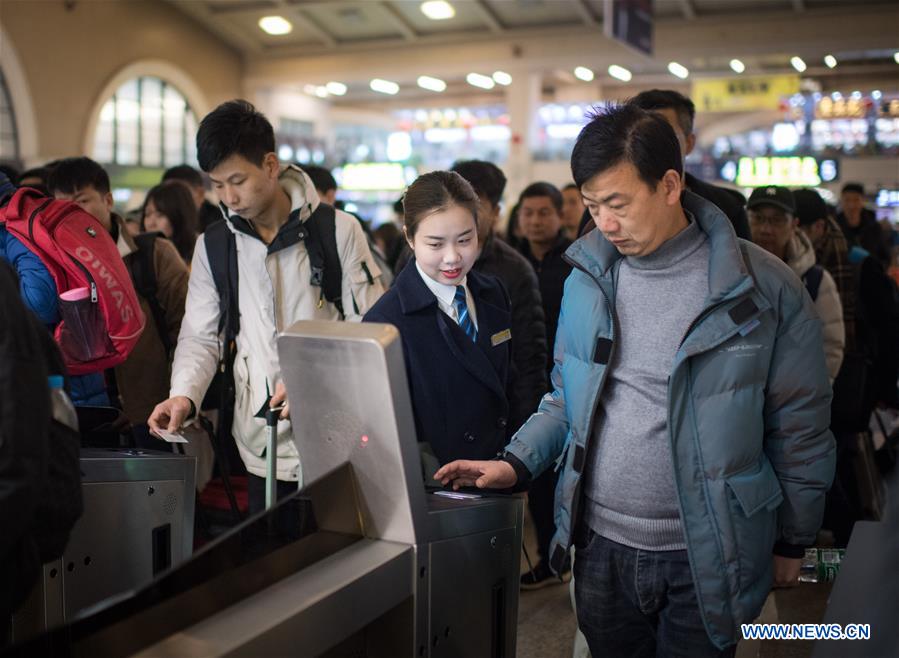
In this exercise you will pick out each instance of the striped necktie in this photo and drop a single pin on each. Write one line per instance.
(465, 321)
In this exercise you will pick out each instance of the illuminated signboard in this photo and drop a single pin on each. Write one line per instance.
(841, 108)
(373, 177)
(795, 171)
(888, 199)
(890, 108)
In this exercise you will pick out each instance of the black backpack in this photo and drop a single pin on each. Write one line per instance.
(812, 280)
(142, 267)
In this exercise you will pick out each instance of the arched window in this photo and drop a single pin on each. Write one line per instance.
(9, 136)
(146, 123)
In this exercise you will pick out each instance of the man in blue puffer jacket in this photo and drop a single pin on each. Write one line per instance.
(689, 414)
(39, 293)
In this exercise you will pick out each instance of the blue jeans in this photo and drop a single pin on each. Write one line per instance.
(637, 604)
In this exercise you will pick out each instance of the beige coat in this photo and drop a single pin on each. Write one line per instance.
(274, 292)
(800, 256)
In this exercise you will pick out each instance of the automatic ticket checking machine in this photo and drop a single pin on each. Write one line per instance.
(363, 561)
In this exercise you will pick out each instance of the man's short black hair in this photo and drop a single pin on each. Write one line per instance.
(486, 178)
(626, 133)
(41, 173)
(322, 178)
(72, 174)
(858, 188)
(185, 173)
(543, 188)
(570, 186)
(668, 99)
(234, 128)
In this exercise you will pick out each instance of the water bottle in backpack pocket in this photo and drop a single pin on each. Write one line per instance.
(82, 333)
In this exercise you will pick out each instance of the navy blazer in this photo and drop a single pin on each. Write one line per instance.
(458, 386)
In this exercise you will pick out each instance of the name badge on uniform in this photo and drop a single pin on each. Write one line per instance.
(500, 337)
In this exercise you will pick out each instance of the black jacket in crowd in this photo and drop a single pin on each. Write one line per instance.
(551, 274)
(458, 386)
(527, 378)
(206, 215)
(868, 235)
(527, 381)
(729, 201)
(24, 443)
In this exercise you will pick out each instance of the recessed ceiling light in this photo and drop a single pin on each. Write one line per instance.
(583, 73)
(502, 78)
(831, 61)
(478, 80)
(275, 25)
(679, 70)
(896, 57)
(620, 73)
(431, 84)
(321, 92)
(737, 66)
(798, 64)
(438, 10)
(384, 86)
(336, 88)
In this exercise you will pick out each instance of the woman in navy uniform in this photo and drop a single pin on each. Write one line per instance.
(454, 325)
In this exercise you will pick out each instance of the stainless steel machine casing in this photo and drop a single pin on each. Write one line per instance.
(138, 520)
(387, 569)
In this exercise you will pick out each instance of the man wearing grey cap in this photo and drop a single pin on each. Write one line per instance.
(772, 219)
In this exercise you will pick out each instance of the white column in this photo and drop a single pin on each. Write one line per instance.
(522, 102)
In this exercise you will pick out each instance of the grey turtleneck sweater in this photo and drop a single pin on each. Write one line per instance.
(630, 477)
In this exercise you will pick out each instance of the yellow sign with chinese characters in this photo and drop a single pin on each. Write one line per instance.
(743, 94)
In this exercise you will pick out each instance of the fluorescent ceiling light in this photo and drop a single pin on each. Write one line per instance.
(831, 61)
(679, 70)
(583, 73)
(336, 88)
(798, 64)
(275, 25)
(321, 92)
(478, 80)
(431, 84)
(737, 66)
(384, 86)
(438, 10)
(620, 73)
(502, 78)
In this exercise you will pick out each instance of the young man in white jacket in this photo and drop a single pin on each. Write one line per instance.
(265, 206)
(772, 219)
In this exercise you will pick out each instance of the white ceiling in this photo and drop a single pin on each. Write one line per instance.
(334, 24)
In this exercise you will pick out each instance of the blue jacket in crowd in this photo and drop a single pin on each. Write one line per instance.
(748, 412)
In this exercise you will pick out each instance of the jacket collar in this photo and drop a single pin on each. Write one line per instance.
(303, 202)
(414, 294)
(728, 272)
(800, 255)
(559, 246)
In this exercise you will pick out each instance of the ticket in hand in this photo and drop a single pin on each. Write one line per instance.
(171, 437)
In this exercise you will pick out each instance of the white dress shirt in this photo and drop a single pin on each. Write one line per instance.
(445, 295)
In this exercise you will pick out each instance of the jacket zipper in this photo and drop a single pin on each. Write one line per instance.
(575, 501)
(33, 215)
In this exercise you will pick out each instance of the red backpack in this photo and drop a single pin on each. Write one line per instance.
(101, 316)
